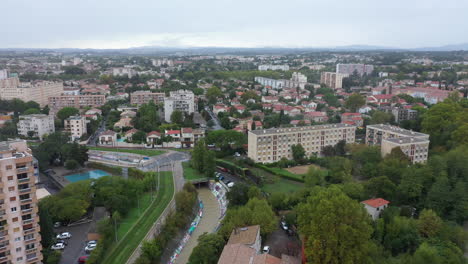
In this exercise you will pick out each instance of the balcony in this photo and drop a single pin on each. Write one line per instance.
(28, 231)
(27, 210)
(28, 221)
(24, 179)
(26, 190)
(25, 201)
(22, 169)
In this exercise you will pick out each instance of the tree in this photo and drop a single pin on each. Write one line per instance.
(147, 118)
(208, 250)
(71, 164)
(32, 111)
(177, 117)
(380, 187)
(401, 235)
(66, 112)
(139, 137)
(298, 153)
(238, 194)
(209, 164)
(315, 176)
(213, 93)
(198, 155)
(336, 228)
(379, 117)
(429, 224)
(355, 101)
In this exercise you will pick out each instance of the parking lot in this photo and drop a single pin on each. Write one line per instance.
(282, 243)
(76, 243)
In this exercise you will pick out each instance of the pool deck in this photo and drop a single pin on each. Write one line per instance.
(61, 172)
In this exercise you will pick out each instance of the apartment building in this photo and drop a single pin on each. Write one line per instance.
(38, 91)
(182, 100)
(19, 221)
(415, 145)
(270, 145)
(144, 97)
(78, 101)
(3, 74)
(297, 80)
(75, 126)
(361, 69)
(332, 79)
(124, 71)
(36, 125)
(266, 67)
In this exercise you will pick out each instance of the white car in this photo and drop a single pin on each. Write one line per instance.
(284, 226)
(64, 235)
(90, 247)
(92, 243)
(230, 185)
(58, 246)
(266, 249)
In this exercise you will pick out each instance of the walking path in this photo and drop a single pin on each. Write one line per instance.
(208, 223)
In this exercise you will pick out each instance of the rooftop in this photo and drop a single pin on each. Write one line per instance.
(377, 202)
(297, 129)
(407, 140)
(398, 130)
(244, 235)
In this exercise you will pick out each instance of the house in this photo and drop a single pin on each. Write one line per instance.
(124, 122)
(375, 206)
(318, 117)
(108, 137)
(174, 134)
(129, 134)
(240, 108)
(219, 108)
(380, 99)
(249, 236)
(128, 113)
(152, 137)
(187, 137)
(354, 119)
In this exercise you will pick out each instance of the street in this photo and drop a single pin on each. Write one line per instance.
(217, 124)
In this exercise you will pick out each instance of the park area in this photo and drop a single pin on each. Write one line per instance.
(144, 152)
(190, 173)
(139, 221)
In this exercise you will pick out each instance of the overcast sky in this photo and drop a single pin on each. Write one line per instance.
(231, 23)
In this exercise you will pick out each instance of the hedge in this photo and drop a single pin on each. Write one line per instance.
(117, 171)
(282, 173)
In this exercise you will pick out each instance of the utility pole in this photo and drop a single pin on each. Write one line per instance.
(115, 230)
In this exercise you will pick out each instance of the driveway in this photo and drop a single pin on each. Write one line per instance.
(281, 243)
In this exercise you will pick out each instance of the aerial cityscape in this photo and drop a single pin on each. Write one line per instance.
(143, 133)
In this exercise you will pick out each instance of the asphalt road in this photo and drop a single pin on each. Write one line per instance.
(217, 125)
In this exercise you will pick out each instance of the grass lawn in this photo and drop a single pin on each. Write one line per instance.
(280, 171)
(282, 185)
(145, 152)
(134, 233)
(190, 173)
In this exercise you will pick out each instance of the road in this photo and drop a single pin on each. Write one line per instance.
(208, 223)
(92, 141)
(217, 124)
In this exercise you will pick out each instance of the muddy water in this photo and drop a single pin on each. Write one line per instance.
(211, 214)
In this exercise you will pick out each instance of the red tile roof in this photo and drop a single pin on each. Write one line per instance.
(377, 202)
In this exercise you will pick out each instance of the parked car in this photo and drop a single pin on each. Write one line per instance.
(92, 242)
(57, 224)
(64, 235)
(230, 185)
(237, 154)
(284, 226)
(91, 247)
(266, 249)
(62, 241)
(58, 246)
(82, 259)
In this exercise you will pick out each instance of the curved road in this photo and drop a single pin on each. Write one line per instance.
(208, 223)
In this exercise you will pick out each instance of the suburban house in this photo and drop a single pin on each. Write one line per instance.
(152, 137)
(375, 206)
(354, 119)
(108, 137)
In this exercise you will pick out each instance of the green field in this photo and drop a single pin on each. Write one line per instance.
(132, 233)
(145, 152)
(190, 173)
(282, 185)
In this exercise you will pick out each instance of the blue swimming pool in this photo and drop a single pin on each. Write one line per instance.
(94, 174)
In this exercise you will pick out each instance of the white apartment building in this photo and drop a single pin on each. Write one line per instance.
(123, 71)
(332, 79)
(266, 67)
(297, 80)
(37, 91)
(162, 62)
(20, 240)
(415, 145)
(361, 69)
(3, 74)
(182, 100)
(40, 124)
(270, 145)
(76, 126)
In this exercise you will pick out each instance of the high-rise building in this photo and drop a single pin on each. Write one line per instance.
(270, 145)
(20, 241)
(36, 125)
(297, 80)
(75, 126)
(332, 79)
(37, 91)
(144, 97)
(361, 69)
(413, 144)
(182, 100)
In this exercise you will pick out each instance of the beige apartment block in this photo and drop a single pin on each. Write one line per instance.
(78, 101)
(270, 145)
(182, 100)
(75, 126)
(38, 91)
(332, 79)
(20, 241)
(415, 145)
(144, 97)
(37, 124)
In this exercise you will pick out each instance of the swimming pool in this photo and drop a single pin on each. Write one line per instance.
(94, 174)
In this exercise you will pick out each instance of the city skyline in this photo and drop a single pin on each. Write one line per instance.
(207, 23)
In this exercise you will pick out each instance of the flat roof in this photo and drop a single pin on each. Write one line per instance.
(271, 131)
(398, 130)
(406, 140)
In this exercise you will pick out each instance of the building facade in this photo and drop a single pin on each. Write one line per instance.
(266, 67)
(414, 145)
(270, 145)
(78, 101)
(361, 69)
(39, 91)
(144, 97)
(75, 126)
(332, 79)
(182, 100)
(297, 80)
(123, 71)
(20, 240)
(38, 125)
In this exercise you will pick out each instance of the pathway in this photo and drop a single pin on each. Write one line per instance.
(208, 223)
